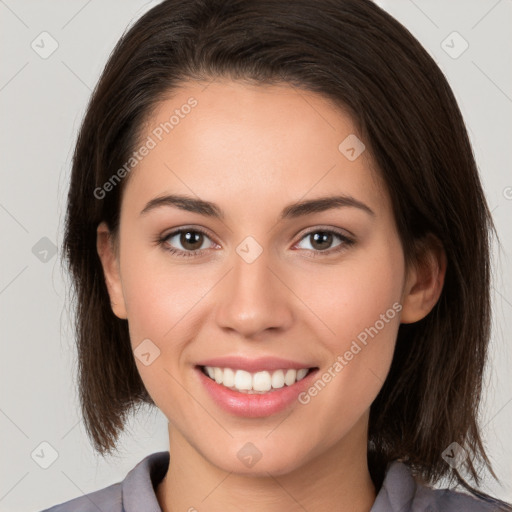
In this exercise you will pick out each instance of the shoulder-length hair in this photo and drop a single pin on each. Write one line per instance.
(354, 53)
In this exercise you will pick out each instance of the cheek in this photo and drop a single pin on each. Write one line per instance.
(164, 303)
(361, 306)
(353, 296)
(161, 314)
(159, 297)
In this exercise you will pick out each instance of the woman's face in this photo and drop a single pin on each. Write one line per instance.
(271, 285)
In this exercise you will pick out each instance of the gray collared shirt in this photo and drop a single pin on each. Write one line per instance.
(399, 493)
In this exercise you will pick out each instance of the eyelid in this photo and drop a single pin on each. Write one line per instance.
(345, 233)
(176, 231)
(180, 229)
(346, 240)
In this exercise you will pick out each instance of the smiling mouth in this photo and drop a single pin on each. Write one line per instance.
(255, 382)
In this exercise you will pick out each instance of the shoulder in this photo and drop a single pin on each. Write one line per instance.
(135, 491)
(108, 499)
(401, 492)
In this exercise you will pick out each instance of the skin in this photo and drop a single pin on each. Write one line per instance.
(253, 150)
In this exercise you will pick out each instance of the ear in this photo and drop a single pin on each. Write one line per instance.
(107, 252)
(424, 280)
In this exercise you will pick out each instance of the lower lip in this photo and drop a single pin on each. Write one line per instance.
(254, 405)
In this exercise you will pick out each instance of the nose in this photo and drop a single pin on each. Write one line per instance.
(253, 299)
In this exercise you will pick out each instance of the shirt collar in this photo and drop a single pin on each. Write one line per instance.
(138, 488)
(397, 491)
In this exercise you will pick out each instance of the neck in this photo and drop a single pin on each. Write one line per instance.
(335, 480)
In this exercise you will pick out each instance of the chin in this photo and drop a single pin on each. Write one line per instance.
(259, 458)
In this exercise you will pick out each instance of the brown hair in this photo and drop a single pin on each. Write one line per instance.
(354, 53)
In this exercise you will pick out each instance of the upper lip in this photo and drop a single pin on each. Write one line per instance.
(254, 364)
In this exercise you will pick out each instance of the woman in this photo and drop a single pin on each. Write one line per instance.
(270, 242)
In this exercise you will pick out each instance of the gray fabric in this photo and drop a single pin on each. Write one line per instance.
(399, 493)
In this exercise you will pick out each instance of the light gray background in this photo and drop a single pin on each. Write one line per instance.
(42, 103)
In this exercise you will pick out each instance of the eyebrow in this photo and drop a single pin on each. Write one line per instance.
(291, 211)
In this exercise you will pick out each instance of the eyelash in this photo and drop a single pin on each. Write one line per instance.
(345, 242)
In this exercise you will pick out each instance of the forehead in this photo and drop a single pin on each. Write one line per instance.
(240, 143)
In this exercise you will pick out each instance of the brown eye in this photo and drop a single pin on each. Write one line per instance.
(186, 241)
(323, 241)
(191, 240)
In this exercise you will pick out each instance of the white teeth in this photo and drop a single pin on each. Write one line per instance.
(278, 379)
(243, 380)
(259, 382)
(219, 374)
(301, 373)
(228, 378)
(290, 377)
